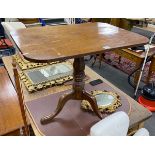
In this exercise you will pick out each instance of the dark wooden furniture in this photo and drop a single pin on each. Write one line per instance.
(138, 58)
(125, 23)
(73, 41)
(10, 114)
(137, 21)
(137, 116)
(133, 56)
(28, 20)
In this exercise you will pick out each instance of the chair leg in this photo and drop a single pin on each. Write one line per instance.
(91, 56)
(100, 60)
(95, 57)
(137, 74)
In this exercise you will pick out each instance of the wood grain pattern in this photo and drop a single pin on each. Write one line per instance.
(10, 115)
(44, 44)
(137, 113)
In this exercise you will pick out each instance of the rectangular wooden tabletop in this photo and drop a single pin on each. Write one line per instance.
(44, 44)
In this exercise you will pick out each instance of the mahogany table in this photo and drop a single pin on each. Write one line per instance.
(47, 44)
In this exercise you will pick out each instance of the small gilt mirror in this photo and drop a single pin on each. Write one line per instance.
(47, 76)
(107, 101)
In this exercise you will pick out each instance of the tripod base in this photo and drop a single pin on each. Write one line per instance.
(72, 96)
(77, 93)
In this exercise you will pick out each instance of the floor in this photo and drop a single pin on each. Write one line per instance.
(119, 79)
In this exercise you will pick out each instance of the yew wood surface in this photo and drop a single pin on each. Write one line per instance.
(44, 44)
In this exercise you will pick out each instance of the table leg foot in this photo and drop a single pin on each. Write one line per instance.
(63, 99)
(92, 101)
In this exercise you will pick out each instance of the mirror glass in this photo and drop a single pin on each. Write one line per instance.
(104, 99)
(51, 72)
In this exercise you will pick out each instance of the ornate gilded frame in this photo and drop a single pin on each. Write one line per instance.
(45, 84)
(107, 109)
(25, 64)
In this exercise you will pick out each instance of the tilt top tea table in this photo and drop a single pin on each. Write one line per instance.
(47, 44)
